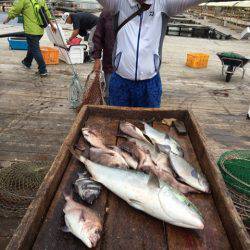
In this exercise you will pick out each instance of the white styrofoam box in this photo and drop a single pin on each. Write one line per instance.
(74, 55)
(57, 38)
(245, 33)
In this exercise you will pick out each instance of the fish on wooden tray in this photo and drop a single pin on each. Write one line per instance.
(108, 157)
(82, 222)
(146, 193)
(169, 150)
(88, 189)
(188, 174)
(151, 162)
(143, 157)
(131, 162)
(163, 140)
(93, 137)
(131, 130)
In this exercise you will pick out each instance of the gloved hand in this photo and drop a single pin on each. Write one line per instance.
(53, 27)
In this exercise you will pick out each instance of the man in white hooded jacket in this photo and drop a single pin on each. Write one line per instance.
(137, 55)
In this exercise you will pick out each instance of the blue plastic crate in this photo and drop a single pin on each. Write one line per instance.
(18, 43)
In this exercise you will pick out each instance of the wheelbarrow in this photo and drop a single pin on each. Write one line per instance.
(231, 62)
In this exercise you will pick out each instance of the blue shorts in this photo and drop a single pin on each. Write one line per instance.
(128, 93)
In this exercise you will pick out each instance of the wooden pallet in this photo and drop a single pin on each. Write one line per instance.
(125, 227)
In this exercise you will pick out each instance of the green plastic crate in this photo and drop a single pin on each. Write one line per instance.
(235, 168)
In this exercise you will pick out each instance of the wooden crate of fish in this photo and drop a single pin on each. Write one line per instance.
(143, 170)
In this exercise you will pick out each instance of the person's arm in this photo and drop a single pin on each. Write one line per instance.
(15, 11)
(174, 7)
(76, 26)
(53, 26)
(98, 40)
(111, 5)
(74, 34)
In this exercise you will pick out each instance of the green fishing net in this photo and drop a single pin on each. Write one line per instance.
(18, 186)
(232, 55)
(235, 169)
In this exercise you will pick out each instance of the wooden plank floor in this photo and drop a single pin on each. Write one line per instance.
(35, 115)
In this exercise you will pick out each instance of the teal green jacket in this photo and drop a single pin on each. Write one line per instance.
(30, 19)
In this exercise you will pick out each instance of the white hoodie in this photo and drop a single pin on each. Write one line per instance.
(137, 54)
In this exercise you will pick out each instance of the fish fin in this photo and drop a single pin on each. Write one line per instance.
(167, 148)
(77, 155)
(82, 175)
(135, 203)
(148, 139)
(65, 229)
(82, 218)
(153, 181)
(80, 147)
(109, 153)
(121, 134)
(181, 151)
(157, 148)
(114, 148)
(94, 179)
(167, 136)
(178, 178)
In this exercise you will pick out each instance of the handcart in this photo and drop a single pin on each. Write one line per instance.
(232, 61)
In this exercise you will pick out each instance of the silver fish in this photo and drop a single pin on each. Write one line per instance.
(158, 158)
(163, 140)
(143, 157)
(147, 194)
(160, 166)
(87, 189)
(93, 137)
(132, 163)
(82, 222)
(188, 174)
(107, 157)
(131, 130)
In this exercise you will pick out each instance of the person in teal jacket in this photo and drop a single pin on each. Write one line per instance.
(33, 29)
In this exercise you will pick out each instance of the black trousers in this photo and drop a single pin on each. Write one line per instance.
(34, 52)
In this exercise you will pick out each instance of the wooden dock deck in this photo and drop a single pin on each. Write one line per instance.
(35, 114)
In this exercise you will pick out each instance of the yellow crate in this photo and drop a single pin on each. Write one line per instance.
(197, 60)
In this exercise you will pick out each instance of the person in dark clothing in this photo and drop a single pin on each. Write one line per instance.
(82, 23)
(104, 40)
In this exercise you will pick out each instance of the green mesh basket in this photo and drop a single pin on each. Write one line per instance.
(235, 168)
(18, 186)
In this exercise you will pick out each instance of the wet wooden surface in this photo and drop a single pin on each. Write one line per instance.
(124, 226)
